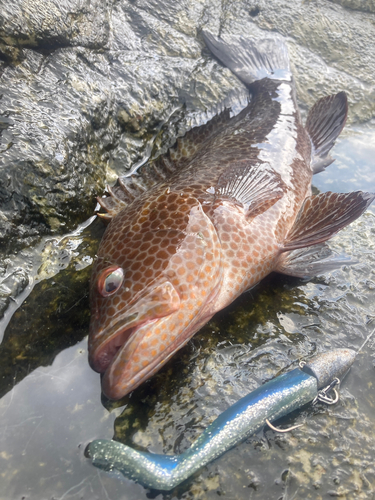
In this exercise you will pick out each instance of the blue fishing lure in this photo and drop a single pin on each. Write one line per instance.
(269, 402)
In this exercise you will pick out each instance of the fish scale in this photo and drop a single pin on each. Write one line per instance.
(228, 205)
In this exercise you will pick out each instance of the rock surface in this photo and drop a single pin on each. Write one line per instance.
(90, 88)
(87, 85)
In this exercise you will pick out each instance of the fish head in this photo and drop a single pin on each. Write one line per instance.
(152, 284)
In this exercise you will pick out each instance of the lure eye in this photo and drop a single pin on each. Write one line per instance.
(110, 281)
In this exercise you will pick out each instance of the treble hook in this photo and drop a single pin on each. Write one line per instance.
(323, 395)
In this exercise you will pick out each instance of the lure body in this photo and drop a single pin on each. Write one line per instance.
(271, 401)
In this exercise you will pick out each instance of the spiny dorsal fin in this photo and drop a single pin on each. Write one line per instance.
(188, 145)
(324, 215)
(324, 123)
(165, 164)
(312, 261)
(160, 169)
(219, 117)
(112, 205)
(127, 189)
(120, 196)
(252, 184)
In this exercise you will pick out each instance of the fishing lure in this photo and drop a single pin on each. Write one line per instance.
(312, 381)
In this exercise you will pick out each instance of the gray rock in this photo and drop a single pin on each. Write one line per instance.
(53, 23)
(88, 89)
(363, 5)
(330, 46)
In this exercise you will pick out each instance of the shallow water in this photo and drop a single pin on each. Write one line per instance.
(51, 403)
(354, 167)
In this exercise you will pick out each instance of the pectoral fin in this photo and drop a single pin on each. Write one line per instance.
(251, 184)
(322, 216)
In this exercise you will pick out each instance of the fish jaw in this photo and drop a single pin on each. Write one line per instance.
(162, 301)
(154, 343)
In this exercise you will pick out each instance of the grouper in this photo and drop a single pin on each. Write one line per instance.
(229, 204)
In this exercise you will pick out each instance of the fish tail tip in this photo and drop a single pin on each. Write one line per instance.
(251, 59)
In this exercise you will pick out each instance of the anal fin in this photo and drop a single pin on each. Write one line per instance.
(322, 216)
(312, 261)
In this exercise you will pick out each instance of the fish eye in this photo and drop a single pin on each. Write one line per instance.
(110, 281)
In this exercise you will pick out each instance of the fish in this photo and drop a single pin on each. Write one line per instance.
(230, 203)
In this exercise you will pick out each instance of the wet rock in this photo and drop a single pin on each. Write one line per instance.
(11, 286)
(330, 47)
(55, 314)
(55, 146)
(363, 5)
(52, 23)
(87, 86)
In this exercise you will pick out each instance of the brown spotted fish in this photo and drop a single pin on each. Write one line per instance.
(228, 205)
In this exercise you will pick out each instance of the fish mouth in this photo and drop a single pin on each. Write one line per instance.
(104, 345)
(136, 347)
(125, 372)
(143, 354)
(126, 354)
(101, 357)
(116, 339)
(114, 357)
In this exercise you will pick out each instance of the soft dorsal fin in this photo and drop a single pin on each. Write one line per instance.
(192, 141)
(252, 184)
(324, 123)
(323, 215)
(214, 121)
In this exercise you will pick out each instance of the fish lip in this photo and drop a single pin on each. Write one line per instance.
(111, 390)
(101, 357)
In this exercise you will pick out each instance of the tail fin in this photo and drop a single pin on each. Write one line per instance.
(251, 59)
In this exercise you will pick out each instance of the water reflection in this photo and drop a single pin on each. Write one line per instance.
(353, 168)
(47, 419)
